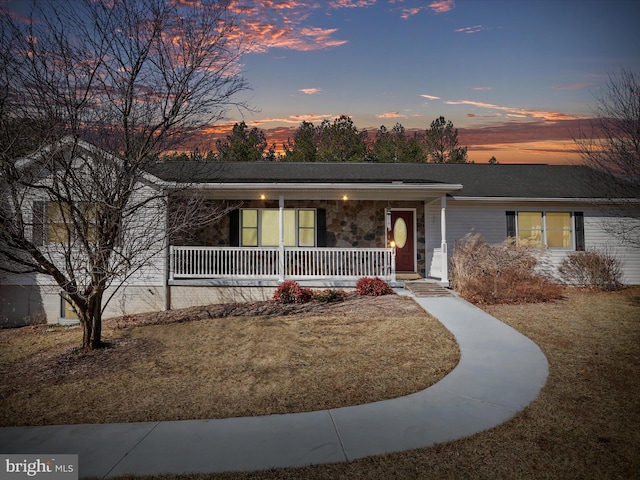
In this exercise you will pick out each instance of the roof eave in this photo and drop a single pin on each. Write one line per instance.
(322, 190)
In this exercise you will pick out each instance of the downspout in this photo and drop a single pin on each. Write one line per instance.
(444, 278)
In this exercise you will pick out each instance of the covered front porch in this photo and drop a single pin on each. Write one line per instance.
(328, 234)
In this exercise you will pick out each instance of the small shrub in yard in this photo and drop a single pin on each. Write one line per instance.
(503, 273)
(373, 287)
(329, 295)
(292, 292)
(593, 269)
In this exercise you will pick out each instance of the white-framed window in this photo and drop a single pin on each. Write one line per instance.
(563, 230)
(66, 310)
(260, 227)
(52, 222)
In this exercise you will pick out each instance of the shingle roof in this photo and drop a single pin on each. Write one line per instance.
(478, 180)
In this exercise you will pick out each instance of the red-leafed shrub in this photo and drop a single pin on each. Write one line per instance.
(373, 287)
(292, 292)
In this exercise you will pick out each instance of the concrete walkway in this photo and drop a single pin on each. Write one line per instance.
(500, 372)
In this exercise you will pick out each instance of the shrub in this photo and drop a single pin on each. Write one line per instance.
(330, 295)
(292, 292)
(593, 269)
(373, 287)
(503, 273)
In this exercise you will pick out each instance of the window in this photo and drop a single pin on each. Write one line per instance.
(261, 227)
(52, 222)
(59, 215)
(530, 228)
(552, 229)
(558, 230)
(66, 310)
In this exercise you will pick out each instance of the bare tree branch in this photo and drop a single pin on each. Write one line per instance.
(100, 88)
(611, 146)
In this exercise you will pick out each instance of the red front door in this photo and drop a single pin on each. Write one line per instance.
(402, 234)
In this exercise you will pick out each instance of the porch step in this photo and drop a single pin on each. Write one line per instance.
(427, 289)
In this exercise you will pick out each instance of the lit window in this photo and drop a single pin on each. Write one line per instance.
(249, 228)
(530, 228)
(558, 229)
(552, 229)
(261, 227)
(306, 228)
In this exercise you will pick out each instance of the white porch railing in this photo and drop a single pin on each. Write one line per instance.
(265, 263)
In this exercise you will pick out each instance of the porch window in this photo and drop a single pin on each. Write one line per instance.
(552, 229)
(261, 227)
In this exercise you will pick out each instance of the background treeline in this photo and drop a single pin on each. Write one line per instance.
(338, 141)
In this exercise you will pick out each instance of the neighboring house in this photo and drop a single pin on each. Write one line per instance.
(329, 224)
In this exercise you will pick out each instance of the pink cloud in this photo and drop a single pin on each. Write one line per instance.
(390, 115)
(516, 112)
(310, 91)
(296, 119)
(282, 24)
(430, 97)
(442, 6)
(410, 12)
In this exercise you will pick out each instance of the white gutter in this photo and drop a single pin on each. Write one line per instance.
(430, 187)
(538, 199)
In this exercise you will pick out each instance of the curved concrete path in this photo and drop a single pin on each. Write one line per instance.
(500, 372)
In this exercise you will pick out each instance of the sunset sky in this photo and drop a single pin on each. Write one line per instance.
(515, 76)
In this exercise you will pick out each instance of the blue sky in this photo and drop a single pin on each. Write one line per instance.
(482, 64)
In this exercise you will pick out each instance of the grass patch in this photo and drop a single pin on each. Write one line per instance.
(165, 367)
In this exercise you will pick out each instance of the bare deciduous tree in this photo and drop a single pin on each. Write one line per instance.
(611, 145)
(104, 86)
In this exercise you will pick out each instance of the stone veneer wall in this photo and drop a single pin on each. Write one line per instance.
(350, 224)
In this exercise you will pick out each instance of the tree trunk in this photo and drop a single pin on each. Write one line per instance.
(87, 330)
(92, 323)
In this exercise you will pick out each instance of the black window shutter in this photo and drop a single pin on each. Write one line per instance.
(38, 221)
(234, 228)
(321, 218)
(511, 224)
(579, 220)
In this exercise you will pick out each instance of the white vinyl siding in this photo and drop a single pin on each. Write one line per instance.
(488, 220)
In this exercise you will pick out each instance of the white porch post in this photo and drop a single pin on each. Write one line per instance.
(444, 279)
(281, 238)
